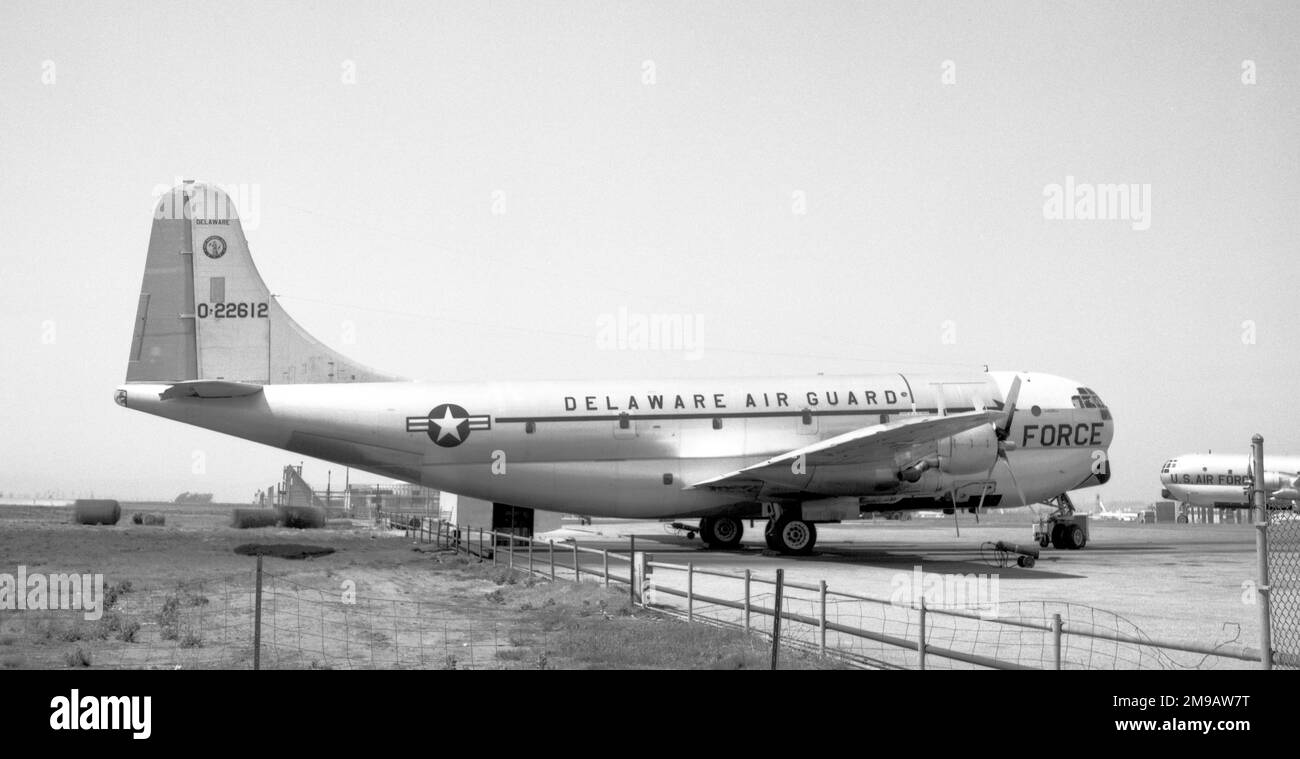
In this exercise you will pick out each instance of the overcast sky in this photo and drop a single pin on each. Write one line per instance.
(464, 190)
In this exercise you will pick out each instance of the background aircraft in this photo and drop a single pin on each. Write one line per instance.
(1113, 516)
(1222, 479)
(213, 348)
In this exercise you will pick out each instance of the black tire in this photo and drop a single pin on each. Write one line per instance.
(1074, 537)
(1058, 536)
(795, 537)
(721, 533)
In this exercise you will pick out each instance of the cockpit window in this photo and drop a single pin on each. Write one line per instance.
(1087, 399)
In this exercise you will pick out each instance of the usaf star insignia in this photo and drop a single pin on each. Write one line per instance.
(448, 425)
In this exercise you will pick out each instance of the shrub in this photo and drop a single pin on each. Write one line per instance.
(77, 658)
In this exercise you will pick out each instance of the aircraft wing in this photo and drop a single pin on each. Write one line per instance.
(866, 444)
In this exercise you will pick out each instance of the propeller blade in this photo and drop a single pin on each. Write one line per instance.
(1016, 482)
(1013, 394)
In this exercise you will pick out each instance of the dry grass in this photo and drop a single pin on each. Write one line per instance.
(517, 620)
(569, 625)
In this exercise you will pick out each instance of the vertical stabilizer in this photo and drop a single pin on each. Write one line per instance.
(205, 313)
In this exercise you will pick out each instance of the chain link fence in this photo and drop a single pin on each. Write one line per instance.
(1284, 584)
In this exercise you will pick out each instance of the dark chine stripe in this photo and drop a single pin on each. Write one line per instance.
(867, 411)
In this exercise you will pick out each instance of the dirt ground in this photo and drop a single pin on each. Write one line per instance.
(183, 598)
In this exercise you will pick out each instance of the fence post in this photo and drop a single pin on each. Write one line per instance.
(257, 618)
(776, 617)
(1259, 511)
(530, 555)
(746, 600)
(550, 548)
(690, 591)
(920, 645)
(647, 578)
(604, 555)
(821, 626)
(1056, 641)
(631, 569)
(577, 575)
(510, 559)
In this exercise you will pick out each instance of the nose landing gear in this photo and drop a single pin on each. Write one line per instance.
(1063, 528)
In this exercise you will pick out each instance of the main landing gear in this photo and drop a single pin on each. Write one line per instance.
(721, 532)
(790, 536)
(785, 533)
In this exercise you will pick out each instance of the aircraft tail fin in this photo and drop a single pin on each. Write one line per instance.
(204, 312)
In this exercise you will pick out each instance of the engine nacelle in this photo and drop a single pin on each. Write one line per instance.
(1280, 484)
(971, 452)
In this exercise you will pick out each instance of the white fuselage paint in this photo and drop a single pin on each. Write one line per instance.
(583, 457)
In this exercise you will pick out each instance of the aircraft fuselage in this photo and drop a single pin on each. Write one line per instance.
(630, 448)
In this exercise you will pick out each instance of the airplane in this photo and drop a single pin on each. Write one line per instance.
(213, 348)
(1119, 516)
(1223, 480)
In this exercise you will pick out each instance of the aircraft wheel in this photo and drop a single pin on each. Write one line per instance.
(721, 532)
(795, 536)
(1074, 537)
(1058, 536)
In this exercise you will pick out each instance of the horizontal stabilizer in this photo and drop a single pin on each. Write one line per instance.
(209, 389)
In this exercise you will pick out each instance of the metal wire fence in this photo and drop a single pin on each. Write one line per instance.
(215, 624)
(276, 620)
(885, 633)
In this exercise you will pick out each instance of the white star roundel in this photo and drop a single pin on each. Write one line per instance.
(448, 425)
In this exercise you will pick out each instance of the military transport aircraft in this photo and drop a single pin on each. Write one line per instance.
(1106, 514)
(213, 348)
(1223, 479)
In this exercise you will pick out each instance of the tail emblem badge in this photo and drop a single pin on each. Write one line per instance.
(214, 247)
